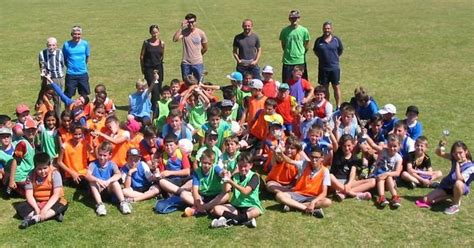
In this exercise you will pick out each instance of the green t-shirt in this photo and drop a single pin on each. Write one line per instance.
(197, 115)
(163, 111)
(240, 95)
(50, 142)
(26, 164)
(294, 39)
(240, 200)
(210, 184)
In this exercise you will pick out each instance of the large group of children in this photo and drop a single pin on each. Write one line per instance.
(212, 155)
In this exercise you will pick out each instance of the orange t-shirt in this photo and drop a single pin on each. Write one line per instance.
(310, 186)
(76, 156)
(283, 173)
(254, 105)
(64, 134)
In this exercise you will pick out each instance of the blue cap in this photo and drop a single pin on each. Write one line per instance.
(236, 76)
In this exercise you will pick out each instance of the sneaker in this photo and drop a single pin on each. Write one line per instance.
(59, 217)
(382, 201)
(411, 185)
(434, 185)
(363, 196)
(422, 204)
(286, 208)
(125, 207)
(26, 223)
(452, 210)
(318, 213)
(100, 209)
(339, 196)
(252, 223)
(188, 212)
(221, 222)
(396, 201)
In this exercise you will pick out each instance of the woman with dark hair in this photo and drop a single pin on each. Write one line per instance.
(151, 59)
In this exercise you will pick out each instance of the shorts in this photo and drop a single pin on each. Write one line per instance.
(300, 198)
(208, 198)
(326, 77)
(144, 188)
(449, 191)
(342, 181)
(23, 209)
(178, 181)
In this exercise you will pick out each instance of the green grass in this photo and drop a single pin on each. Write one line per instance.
(405, 52)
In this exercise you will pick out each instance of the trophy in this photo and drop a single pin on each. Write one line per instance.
(226, 177)
(445, 134)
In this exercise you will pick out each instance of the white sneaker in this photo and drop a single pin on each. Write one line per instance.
(286, 208)
(221, 222)
(100, 209)
(125, 207)
(252, 223)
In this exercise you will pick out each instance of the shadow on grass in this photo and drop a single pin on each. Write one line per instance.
(123, 108)
(276, 207)
(412, 198)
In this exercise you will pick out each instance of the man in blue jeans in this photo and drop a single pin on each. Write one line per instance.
(194, 47)
(76, 55)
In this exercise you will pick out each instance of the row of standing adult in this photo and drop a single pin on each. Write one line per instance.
(246, 51)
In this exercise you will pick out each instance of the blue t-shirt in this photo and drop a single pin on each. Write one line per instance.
(366, 113)
(185, 132)
(140, 104)
(140, 176)
(415, 131)
(105, 172)
(322, 144)
(328, 53)
(75, 55)
(388, 125)
(6, 156)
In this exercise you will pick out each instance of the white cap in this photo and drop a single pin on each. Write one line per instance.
(267, 69)
(388, 108)
(256, 84)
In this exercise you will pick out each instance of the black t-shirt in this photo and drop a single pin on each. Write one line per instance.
(254, 181)
(247, 45)
(423, 164)
(341, 167)
(153, 54)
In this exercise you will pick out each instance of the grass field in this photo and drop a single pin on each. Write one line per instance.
(405, 52)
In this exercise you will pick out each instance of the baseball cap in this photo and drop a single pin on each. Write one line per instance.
(256, 84)
(30, 123)
(133, 125)
(5, 130)
(388, 108)
(267, 69)
(284, 86)
(236, 76)
(21, 108)
(211, 132)
(226, 103)
(294, 14)
(413, 109)
(134, 152)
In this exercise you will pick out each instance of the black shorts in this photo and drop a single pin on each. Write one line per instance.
(326, 77)
(23, 209)
(178, 181)
(241, 210)
(207, 198)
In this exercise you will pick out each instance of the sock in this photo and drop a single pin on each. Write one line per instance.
(237, 218)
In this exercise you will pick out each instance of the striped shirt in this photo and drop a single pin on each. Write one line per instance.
(52, 62)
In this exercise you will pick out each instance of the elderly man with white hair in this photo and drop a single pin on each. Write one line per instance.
(51, 62)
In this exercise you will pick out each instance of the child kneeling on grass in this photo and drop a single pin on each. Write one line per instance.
(456, 183)
(104, 174)
(245, 204)
(310, 191)
(44, 194)
(207, 190)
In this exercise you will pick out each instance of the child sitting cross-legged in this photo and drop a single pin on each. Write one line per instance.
(245, 204)
(103, 174)
(44, 194)
(310, 191)
(207, 190)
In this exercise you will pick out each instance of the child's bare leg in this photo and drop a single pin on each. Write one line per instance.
(409, 178)
(219, 199)
(335, 184)
(96, 193)
(219, 210)
(187, 197)
(285, 198)
(435, 196)
(275, 187)
(390, 184)
(253, 213)
(117, 190)
(150, 193)
(323, 203)
(436, 174)
(458, 191)
(363, 185)
(168, 186)
(381, 187)
(188, 185)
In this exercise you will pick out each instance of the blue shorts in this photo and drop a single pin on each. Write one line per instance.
(326, 77)
(300, 198)
(79, 82)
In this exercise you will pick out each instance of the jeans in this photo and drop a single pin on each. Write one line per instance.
(255, 70)
(196, 70)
